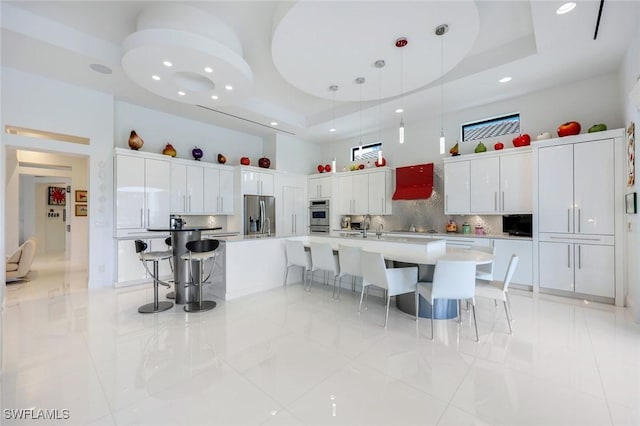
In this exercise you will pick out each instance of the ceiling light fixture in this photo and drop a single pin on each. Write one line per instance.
(379, 64)
(274, 123)
(566, 8)
(214, 97)
(399, 110)
(400, 43)
(228, 87)
(208, 69)
(505, 79)
(156, 77)
(181, 93)
(333, 88)
(167, 64)
(440, 31)
(360, 81)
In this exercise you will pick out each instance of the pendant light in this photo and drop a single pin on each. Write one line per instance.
(441, 30)
(400, 43)
(360, 81)
(333, 88)
(380, 64)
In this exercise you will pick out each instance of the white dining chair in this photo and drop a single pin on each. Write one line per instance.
(350, 264)
(497, 290)
(484, 271)
(394, 280)
(323, 259)
(452, 280)
(297, 256)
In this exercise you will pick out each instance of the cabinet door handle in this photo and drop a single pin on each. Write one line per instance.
(184, 203)
(503, 208)
(189, 202)
(579, 257)
(495, 201)
(568, 220)
(148, 217)
(141, 218)
(579, 220)
(568, 256)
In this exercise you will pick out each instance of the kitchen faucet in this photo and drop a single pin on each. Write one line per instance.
(366, 224)
(379, 231)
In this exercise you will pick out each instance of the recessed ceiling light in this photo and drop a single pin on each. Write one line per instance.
(566, 8)
(228, 87)
(332, 130)
(155, 77)
(274, 123)
(181, 93)
(399, 110)
(167, 64)
(214, 97)
(505, 79)
(208, 69)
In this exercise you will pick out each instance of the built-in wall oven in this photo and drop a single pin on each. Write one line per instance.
(319, 222)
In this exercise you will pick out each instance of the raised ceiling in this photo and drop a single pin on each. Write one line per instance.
(288, 54)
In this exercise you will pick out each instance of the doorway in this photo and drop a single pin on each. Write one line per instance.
(42, 202)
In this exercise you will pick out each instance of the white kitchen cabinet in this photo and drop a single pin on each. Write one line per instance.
(585, 269)
(456, 188)
(131, 269)
(576, 188)
(218, 190)
(142, 189)
(294, 211)
(255, 182)
(354, 193)
(465, 241)
(319, 186)
(516, 186)
(380, 192)
(484, 177)
(187, 187)
(504, 249)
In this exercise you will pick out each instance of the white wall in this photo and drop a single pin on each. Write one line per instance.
(40, 103)
(295, 155)
(629, 75)
(158, 128)
(591, 101)
(11, 199)
(27, 218)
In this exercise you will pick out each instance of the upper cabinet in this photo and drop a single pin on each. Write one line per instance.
(366, 192)
(380, 191)
(218, 183)
(576, 188)
(201, 188)
(257, 181)
(142, 187)
(319, 186)
(496, 182)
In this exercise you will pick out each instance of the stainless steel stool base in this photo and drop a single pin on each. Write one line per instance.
(171, 295)
(205, 305)
(150, 308)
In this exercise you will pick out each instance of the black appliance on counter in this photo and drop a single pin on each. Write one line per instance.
(518, 225)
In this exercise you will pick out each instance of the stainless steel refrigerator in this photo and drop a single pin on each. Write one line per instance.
(259, 215)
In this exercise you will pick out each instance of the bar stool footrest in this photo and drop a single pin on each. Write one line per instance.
(150, 308)
(171, 295)
(205, 305)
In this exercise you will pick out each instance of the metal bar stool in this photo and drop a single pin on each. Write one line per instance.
(167, 242)
(199, 251)
(155, 257)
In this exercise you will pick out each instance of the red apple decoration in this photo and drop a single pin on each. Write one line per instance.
(320, 168)
(569, 128)
(498, 146)
(381, 164)
(327, 168)
(361, 166)
(245, 161)
(264, 162)
(522, 140)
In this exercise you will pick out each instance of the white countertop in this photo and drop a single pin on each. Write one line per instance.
(423, 235)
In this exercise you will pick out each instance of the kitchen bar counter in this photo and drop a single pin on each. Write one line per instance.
(424, 235)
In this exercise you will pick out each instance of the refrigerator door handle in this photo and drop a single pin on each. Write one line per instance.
(263, 214)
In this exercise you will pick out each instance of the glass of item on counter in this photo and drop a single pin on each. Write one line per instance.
(452, 226)
(466, 228)
(479, 230)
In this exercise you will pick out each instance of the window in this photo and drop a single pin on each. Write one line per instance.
(365, 152)
(491, 127)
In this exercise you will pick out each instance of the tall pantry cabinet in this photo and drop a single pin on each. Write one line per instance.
(578, 215)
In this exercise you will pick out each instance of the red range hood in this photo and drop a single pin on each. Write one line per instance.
(414, 182)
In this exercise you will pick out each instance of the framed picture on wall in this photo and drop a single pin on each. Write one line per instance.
(81, 196)
(81, 209)
(57, 196)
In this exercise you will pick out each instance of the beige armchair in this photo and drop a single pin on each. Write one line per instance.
(19, 263)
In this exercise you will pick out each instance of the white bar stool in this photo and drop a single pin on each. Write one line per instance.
(155, 257)
(199, 251)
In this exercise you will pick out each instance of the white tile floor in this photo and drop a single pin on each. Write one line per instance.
(286, 357)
